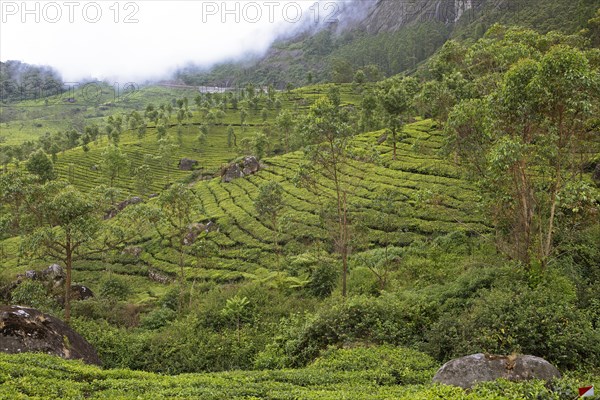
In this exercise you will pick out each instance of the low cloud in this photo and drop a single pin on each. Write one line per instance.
(148, 40)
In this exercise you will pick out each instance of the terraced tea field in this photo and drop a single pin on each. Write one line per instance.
(419, 196)
(428, 199)
(82, 168)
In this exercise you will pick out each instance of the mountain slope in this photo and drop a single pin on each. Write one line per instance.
(392, 35)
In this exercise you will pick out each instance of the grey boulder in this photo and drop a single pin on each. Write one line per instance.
(467, 371)
(24, 329)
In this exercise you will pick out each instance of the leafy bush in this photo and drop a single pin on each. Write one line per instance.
(33, 294)
(323, 279)
(514, 317)
(396, 365)
(158, 318)
(358, 319)
(116, 347)
(362, 281)
(115, 288)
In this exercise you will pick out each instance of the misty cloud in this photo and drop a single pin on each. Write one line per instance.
(148, 40)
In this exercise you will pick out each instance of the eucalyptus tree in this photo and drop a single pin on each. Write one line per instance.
(41, 165)
(113, 163)
(114, 128)
(166, 153)
(68, 225)
(151, 113)
(143, 174)
(15, 188)
(243, 117)
(172, 216)
(525, 142)
(268, 204)
(367, 111)
(137, 124)
(231, 137)
(285, 124)
(396, 100)
(326, 133)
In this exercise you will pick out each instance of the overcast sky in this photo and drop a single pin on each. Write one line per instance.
(144, 39)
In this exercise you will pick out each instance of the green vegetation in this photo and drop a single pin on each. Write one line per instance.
(352, 374)
(391, 226)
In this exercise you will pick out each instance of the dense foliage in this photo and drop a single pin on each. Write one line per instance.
(339, 374)
(391, 226)
(20, 81)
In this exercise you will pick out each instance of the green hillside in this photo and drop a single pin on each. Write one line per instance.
(390, 39)
(390, 226)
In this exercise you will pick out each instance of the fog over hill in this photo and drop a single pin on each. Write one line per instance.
(149, 39)
(266, 42)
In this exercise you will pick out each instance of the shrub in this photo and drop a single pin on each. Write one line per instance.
(33, 294)
(323, 279)
(358, 319)
(116, 347)
(514, 317)
(158, 318)
(114, 288)
(394, 365)
(361, 281)
(117, 313)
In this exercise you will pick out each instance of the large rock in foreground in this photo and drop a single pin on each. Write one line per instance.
(470, 370)
(25, 329)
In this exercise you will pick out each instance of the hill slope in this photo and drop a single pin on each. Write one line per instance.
(392, 35)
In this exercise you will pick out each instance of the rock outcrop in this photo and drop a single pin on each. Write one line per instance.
(251, 165)
(467, 371)
(134, 251)
(25, 329)
(187, 164)
(231, 172)
(80, 292)
(54, 275)
(247, 166)
(195, 229)
(121, 206)
(390, 16)
(158, 277)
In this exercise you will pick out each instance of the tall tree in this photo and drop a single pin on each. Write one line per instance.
(15, 189)
(166, 153)
(531, 147)
(69, 227)
(396, 99)
(231, 137)
(178, 205)
(326, 132)
(268, 205)
(113, 163)
(285, 123)
(40, 165)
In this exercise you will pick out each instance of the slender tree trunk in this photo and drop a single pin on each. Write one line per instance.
(287, 141)
(181, 276)
(525, 213)
(276, 241)
(341, 225)
(546, 250)
(69, 268)
(345, 248)
(394, 140)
